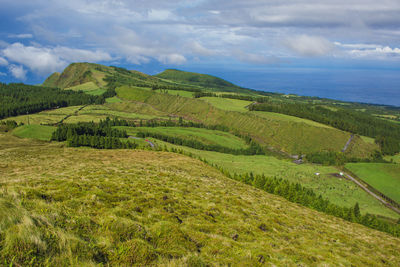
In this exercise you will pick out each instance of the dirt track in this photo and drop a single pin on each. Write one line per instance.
(387, 204)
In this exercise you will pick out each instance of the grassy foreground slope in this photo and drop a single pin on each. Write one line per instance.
(124, 207)
(339, 191)
(289, 136)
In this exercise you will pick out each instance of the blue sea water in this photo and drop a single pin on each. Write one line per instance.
(358, 85)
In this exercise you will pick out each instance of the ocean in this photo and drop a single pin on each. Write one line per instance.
(358, 85)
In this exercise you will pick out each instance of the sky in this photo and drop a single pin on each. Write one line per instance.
(213, 36)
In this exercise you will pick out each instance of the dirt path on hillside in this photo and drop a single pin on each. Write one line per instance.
(387, 204)
(348, 143)
(148, 141)
(69, 115)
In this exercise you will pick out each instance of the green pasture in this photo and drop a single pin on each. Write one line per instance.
(51, 116)
(209, 137)
(86, 87)
(281, 134)
(113, 99)
(103, 110)
(227, 103)
(382, 176)
(34, 131)
(288, 118)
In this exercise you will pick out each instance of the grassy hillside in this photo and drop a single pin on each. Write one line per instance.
(289, 136)
(34, 131)
(227, 103)
(74, 75)
(51, 81)
(124, 207)
(338, 190)
(384, 177)
(202, 80)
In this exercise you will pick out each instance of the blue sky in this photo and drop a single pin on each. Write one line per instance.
(40, 37)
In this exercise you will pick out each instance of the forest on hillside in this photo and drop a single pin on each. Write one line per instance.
(19, 99)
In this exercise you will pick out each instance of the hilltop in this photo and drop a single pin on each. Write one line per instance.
(206, 81)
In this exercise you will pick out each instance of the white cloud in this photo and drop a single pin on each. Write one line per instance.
(21, 36)
(18, 72)
(3, 74)
(199, 49)
(370, 51)
(175, 59)
(3, 62)
(45, 60)
(309, 45)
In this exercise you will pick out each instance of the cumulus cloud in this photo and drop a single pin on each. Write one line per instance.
(44, 60)
(3, 62)
(252, 31)
(370, 51)
(311, 46)
(18, 72)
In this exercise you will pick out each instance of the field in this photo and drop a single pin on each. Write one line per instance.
(205, 136)
(287, 118)
(46, 117)
(34, 131)
(130, 207)
(282, 134)
(87, 114)
(227, 103)
(86, 87)
(113, 99)
(382, 176)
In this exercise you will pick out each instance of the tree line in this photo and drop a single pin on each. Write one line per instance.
(253, 149)
(386, 134)
(339, 158)
(8, 125)
(258, 99)
(17, 99)
(97, 135)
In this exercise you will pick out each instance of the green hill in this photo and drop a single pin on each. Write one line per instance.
(143, 208)
(288, 136)
(202, 80)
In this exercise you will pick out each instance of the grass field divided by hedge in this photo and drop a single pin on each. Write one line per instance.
(124, 207)
(291, 137)
(227, 103)
(208, 137)
(382, 176)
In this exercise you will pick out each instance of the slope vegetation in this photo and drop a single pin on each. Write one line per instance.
(202, 80)
(125, 207)
(288, 136)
